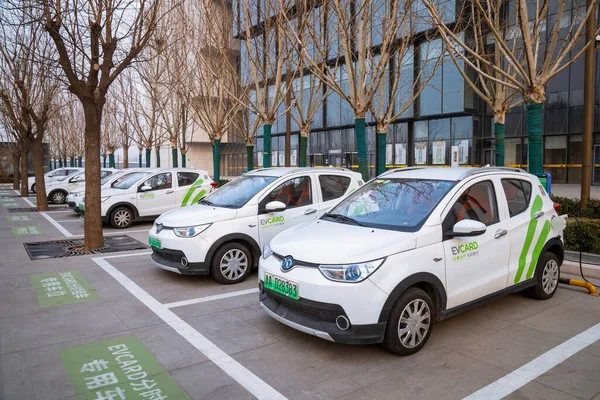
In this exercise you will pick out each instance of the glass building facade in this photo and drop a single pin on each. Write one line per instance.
(447, 113)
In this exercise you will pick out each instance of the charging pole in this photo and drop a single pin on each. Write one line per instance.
(588, 104)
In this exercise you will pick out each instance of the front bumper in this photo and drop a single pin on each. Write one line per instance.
(174, 249)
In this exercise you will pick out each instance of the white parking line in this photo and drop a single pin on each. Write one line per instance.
(530, 371)
(210, 298)
(26, 200)
(252, 383)
(69, 220)
(56, 225)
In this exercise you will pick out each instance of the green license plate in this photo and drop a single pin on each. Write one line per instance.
(281, 286)
(154, 242)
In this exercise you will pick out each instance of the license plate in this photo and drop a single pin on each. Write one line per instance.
(81, 207)
(281, 286)
(154, 242)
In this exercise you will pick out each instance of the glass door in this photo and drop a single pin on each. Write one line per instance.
(596, 165)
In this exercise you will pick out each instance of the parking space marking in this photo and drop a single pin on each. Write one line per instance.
(210, 298)
(69, 220)
(539, 366)
(26, 200)
(56, 225)
(252, 383)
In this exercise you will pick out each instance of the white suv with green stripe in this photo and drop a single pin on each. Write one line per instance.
(144, 195)
(411, 247)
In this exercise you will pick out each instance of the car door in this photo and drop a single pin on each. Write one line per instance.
(331, 188)
(188, 188)
(298, 194)
(156, 195)
(475, 265)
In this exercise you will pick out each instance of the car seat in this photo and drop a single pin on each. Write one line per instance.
(285, 195)
(305, 196)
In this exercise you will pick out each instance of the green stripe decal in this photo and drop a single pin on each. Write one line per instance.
(537, 206)
(199, 196)
(190, 191)
(538, 248)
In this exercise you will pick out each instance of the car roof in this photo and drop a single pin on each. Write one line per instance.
(448, 174)
(176, 169)
(279, 172)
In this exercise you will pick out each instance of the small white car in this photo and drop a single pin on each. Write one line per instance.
(59, 190)
(411, 247)
(51, 176)
(145, 195)
(223, 235)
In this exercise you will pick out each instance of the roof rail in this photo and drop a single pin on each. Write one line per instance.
(483, 170)
(391, 171)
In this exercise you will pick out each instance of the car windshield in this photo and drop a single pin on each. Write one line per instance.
(108, 178)
(238, 192)
(131, 180)
(395, 204)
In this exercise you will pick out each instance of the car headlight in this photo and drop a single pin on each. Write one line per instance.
(190, 231)
(267, 252)
(350, 272)
(103, 199)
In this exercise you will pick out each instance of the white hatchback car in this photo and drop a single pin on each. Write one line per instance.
(59, 190)
(223, 234)
(411, 247)
(145, 195)
(54, 175)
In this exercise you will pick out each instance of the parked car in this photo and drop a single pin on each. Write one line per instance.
(51, 176)
(222, 235)
(59, 190)
(145, 195)
(412, 247)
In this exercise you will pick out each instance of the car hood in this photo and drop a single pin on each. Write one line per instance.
(112, 192)
(326, 242)
(196, 214)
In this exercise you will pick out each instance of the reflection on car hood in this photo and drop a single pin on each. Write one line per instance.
(113, 192)
(325, 242)
(196, 214)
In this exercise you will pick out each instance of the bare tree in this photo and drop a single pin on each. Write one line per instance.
(96, 40)
(125, 127)
(12, 140)
(110, 130)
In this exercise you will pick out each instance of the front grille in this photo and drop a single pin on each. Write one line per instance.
(170, 255)
(315, 312)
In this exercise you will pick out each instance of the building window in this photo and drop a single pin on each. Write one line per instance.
(555, 157)
(574, 160)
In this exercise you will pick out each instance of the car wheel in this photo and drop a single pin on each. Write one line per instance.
(121, 218)
(58, 197)
(547, 274)
(33, 188)
(231, 264)
(410, 323)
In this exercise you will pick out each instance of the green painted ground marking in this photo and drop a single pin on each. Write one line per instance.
(17, 218)
(118, 369)
(58, 288)
(26, 230)
(10, 204)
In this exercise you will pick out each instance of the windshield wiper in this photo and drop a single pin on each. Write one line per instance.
(344, 219)
(204, 201)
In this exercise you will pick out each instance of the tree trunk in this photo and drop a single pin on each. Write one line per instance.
(60, 163)
(111, 160)
(80, 162)
(361, 147)
(93, 238)
(183, 163)
(16, 170)
(55, 163)
(535, 114)
(125, 157)
(381, 161)
(250, 157)
(148, 153)
(103, 161)
(157, 158)
(267, 146)
(500, 134)
(24, 174)
(38, 168)
(65, 161)
(140, 159)
(72, 162)
(216, 147)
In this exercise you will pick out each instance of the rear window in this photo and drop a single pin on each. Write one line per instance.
(518, 195)
(186, 178)
(333, 186)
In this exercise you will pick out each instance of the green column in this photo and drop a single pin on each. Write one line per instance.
(50, 165)
(55, 163)
(216, 148)
(158, 158)
(499, 132)
(65, 161)
(250, 157)
(148, 153)
(183, 163)
(381, 161)
(174, 156)
(361, 147)
(103, 161)
(111, 160)
(60, 165)
(267, 146)
(80, 162)
(535, 114)
(302, 155)
(72, 162)
(140, 160)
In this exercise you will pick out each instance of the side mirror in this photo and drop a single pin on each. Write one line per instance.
(145, 188)
(275, 206)
(467, 227)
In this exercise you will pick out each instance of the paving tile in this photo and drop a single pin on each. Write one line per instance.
(564, 320)
(207, 381)
(517, 307)
(134, 313)
(360, 394)
(537, 391)
(255, 315)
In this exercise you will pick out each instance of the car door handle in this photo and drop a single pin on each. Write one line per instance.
(499, 233)
(538, 214)
(170, 191)
(310, 211)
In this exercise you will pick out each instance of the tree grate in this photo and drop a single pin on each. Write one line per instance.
(70, 248)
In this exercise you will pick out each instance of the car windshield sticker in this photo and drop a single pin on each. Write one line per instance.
(17, 218)
(536, 251)
(147, 196)
(25, 230)
(190, 192)
(118, 369)
(58, 288)
(465, 250)
(271, 222)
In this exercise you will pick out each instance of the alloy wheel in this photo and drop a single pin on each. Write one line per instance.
(550, 276)
(414, 323)
(122, 218)
(234, 264)
(58, 198)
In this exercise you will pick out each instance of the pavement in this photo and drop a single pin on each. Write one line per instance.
(573, 191)
(126, 329)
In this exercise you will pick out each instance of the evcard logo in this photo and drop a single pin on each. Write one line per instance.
(146, 196)
(270, 222)
(465, 250)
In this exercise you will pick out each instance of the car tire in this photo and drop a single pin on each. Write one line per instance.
(58, 197)
(546, 277)
(231, 263)
(33, 188)
(121, 218)
(414, 309)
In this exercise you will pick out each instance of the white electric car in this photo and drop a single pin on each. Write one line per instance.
(222, 235)
(58, 190)
(145, 195)
(412, 247)
(54, 175)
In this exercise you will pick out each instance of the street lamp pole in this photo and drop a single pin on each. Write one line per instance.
(588, 104)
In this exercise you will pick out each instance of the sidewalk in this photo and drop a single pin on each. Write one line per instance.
(573, 190)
